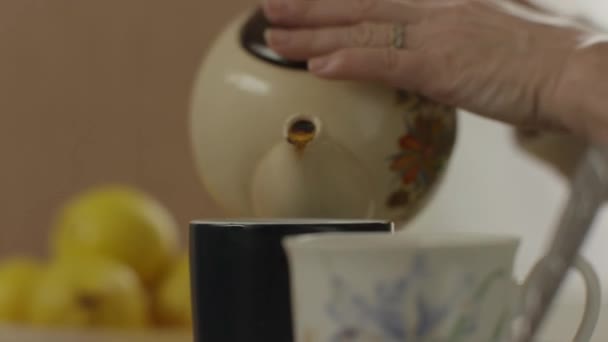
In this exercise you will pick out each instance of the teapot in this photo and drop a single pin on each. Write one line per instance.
(271, 140)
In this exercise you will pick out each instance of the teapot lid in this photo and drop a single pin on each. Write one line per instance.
(252, 39)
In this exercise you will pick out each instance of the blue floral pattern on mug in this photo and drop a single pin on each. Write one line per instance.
(384, 317)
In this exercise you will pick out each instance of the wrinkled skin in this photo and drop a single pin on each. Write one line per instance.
(472, 54)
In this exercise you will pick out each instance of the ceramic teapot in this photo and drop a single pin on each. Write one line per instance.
(272, 140)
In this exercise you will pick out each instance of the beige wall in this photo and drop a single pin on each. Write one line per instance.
(97, 91)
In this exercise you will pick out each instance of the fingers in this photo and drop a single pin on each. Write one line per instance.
(339, 12)
(398, 68)
(306, 43)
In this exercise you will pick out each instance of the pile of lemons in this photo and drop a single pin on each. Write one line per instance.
(115, 263)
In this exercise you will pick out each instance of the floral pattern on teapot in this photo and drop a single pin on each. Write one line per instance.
(384, 316)
(424, 149)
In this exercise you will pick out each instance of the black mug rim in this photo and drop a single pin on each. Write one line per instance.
(284, 221)
(294, 223)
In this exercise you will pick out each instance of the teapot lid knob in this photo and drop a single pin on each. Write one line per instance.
(252, 40)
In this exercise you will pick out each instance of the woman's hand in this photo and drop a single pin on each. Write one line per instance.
(471, 54)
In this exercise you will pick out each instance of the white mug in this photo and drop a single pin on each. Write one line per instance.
(452, 287)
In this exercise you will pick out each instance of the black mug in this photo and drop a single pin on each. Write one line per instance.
(240, 277)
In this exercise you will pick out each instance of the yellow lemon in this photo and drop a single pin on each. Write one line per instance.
(120, 222)
(173, 306)
(89, 292)
(17, 278)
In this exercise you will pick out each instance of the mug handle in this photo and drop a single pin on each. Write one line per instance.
(592, 297)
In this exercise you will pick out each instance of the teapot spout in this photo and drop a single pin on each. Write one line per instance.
(308, 175)
(301, 131)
